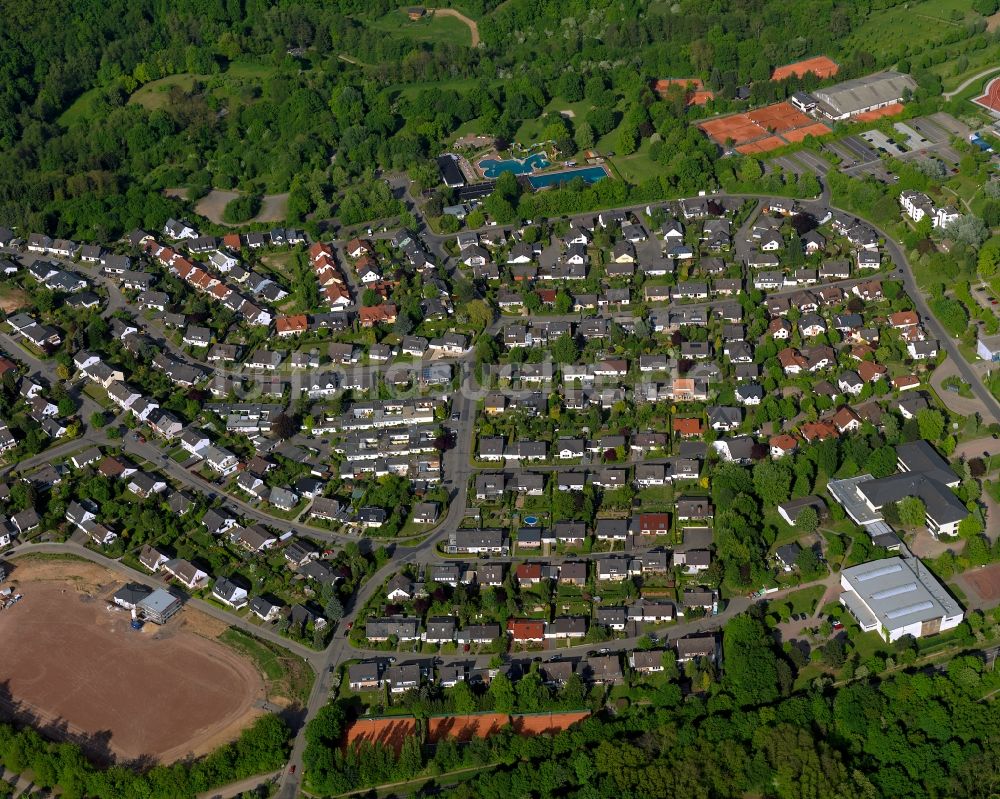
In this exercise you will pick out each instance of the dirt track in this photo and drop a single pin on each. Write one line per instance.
(451, 12)
(163, 692)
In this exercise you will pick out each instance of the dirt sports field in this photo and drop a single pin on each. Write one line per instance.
(764, 129)
(79, 670)
(393, 731)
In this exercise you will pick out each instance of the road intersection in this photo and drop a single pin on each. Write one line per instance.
(458, 470)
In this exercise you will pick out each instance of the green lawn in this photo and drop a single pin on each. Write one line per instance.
(432, 28)
(637, 167)
(804, 601)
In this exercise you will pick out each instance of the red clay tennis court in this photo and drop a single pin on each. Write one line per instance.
(879, 113)
(761, 145)
(393, 731)
(816, 129)
(764, 129)
(779, 117)
(388, 732)
(739, 127)
(697, 94)
(820, 66)
(990, 99)
(985, 582)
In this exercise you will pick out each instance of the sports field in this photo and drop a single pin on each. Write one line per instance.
(990, 99)
(763, 129)
(879, 113)
(76, 670)
(820, 66)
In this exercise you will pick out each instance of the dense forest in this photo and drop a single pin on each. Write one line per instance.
(924, 733)
(267, 104)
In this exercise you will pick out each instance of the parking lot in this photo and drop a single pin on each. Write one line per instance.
(801, 163)
(982, 294)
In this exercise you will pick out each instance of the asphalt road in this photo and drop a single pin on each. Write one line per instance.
(457, 473)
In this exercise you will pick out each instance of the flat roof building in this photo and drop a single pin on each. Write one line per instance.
(897, 597)
(159, 606)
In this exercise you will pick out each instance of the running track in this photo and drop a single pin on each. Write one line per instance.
(990, 100)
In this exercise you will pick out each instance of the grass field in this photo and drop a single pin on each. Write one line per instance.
(432, 28)
(910, 27)
(531, 129)
(80, 109)
(155, 93)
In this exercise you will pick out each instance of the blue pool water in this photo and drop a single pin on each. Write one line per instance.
(493, 168)
(531, 521)
(590, 174)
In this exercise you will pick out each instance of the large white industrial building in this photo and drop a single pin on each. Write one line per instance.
(897, 597)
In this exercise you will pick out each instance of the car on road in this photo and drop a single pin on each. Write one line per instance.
(456, 416)
(838, 626)
(291, 769)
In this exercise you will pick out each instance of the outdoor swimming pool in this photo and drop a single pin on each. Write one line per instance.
(493, 168)
(590, 174)
(531, 521)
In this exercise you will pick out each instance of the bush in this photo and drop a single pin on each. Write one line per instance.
(242, 209)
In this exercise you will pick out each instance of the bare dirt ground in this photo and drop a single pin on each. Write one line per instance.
(178, 191)
(273, 207)
(451, 12)
(11, 299)
(993, 22)
(79, 671)
(214, 203)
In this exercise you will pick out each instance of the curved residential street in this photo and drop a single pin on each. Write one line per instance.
(458, 471)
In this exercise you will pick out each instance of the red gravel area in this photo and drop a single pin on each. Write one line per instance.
(393, 731)
(465, 728)
(537, 724)
(779, 117)
(820, 66)
(388, 732)
(817, 129)
(879, 113)
(761, 145)
(76, 669)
